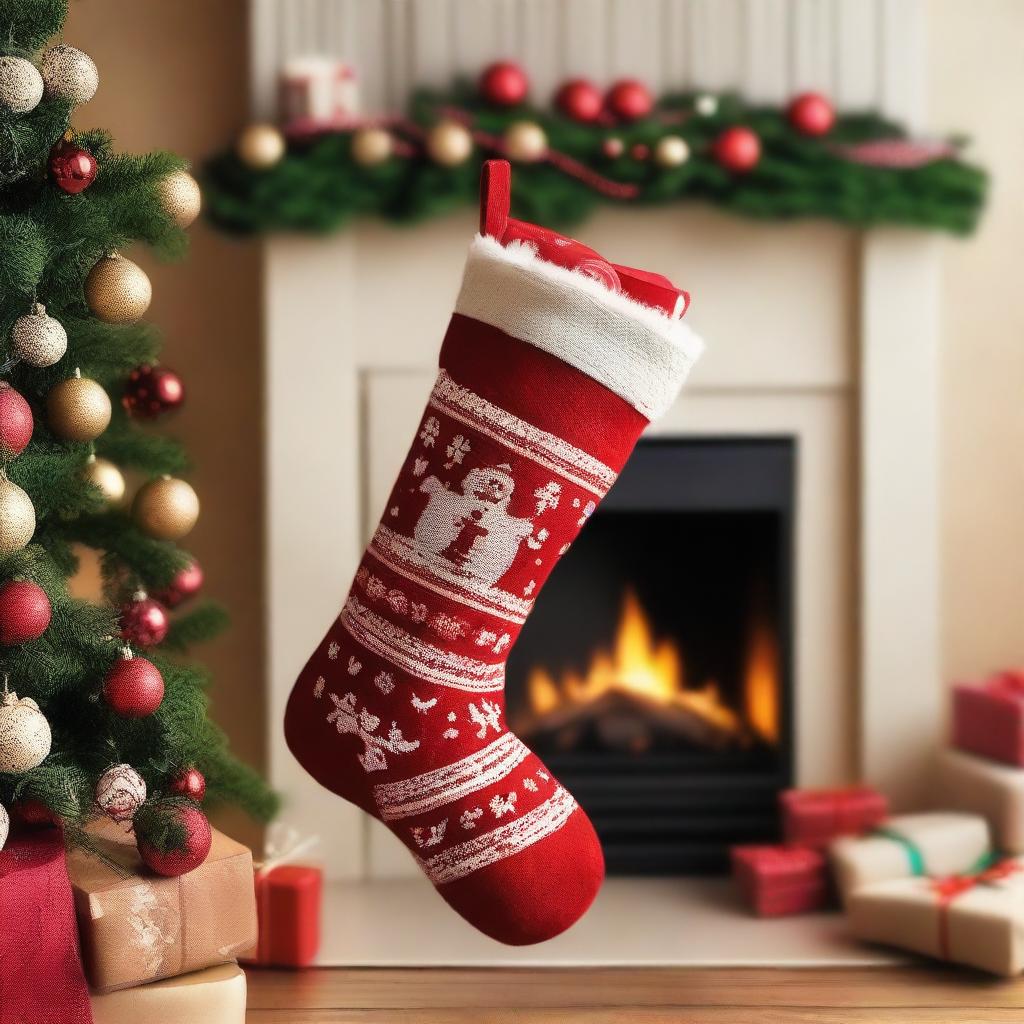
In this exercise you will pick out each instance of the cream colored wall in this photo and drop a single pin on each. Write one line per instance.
(976, 83)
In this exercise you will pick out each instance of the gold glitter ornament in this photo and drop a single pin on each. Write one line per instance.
(38, 339)
(78, 409)
(671, 151)
(371, 146)
(166, 508)
(449, 144)
(180, 196)
(21, 85)
(69, 74)
(260, 146)
(103, 474)
(25, 737)
(525, 141)
(117, 290)
(17, 517)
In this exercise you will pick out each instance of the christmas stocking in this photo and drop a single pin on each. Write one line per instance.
(554, 362)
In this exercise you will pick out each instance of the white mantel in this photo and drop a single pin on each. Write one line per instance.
(823, 334)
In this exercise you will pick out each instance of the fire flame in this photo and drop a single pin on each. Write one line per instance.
(653, 670)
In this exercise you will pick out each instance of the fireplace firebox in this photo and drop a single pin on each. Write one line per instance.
(654, 675)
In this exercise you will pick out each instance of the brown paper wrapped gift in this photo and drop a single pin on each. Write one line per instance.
(976, 920)
(213, 996)
(938, 844)
(989, 788)
(136, 926)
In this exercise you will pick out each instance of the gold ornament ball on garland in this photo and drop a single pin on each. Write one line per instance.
(17, 517)
(671, 151)
(166, 508)
(449, 144)
(117, 290)
(38, 339)
(69, 74)
(260, 146)
(21, 85)
(104, 475)
(25, 737)
(180, 196)
(371, 146)
(78, 409)
(525, 141)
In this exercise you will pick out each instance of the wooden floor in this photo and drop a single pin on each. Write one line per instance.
(902, 995)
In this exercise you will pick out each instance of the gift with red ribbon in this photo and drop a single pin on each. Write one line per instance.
(814, 817)
(775, 881)
(975, 918)
(41, 977)
(988, 718)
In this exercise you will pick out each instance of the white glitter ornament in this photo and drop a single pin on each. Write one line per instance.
(5, 826)
(24, 735)
(21, 85)
(69, 74)
(38, 339)
(120, 792)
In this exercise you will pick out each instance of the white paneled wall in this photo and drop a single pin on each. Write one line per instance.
(864, 53)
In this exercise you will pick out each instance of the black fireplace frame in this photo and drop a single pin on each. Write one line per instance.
(699, 816)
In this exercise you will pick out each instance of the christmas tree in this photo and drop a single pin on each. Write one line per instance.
(99, 712)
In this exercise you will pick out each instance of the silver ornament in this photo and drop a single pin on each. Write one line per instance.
(120, 792)
(69, 74)
(38, 339)
(24, 735)
(5, 826)
(21, 85)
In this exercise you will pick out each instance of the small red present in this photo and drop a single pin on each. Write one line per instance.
(988, 718)
(814, 817)
(780, 880)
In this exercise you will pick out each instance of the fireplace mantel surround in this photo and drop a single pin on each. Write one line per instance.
(814, 332)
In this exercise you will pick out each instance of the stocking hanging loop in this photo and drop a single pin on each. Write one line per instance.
(495, 197)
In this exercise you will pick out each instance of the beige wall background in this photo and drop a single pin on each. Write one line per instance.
(173, 75)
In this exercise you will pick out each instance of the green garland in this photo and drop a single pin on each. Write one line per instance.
(317, 187)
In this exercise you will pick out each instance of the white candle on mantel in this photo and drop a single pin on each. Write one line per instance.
(317, 91)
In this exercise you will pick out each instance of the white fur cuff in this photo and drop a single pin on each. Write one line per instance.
(638, 352)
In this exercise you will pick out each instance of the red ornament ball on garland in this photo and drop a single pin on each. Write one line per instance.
(629, 100)
(579, 99)
(190, 783)
(504, 84)
(810, 113)
(151, 391)
(24, 612)
(738, 149)
(186, 583)
(144, 622)
(16, 422)
(192, 846)
(72, 168)
(134, 687)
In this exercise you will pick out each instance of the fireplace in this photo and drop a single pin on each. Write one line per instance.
(654, 674)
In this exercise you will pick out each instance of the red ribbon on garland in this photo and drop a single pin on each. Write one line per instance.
(948, 889)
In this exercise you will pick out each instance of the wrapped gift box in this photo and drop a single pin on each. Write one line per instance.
(910, 844)
(288, 902)
(779, 880)
(988, 719)
(136, 927)
(993, 790)
(814, 817)
(213, 996)
(975, 920)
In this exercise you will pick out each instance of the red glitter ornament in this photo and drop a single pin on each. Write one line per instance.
(738, 149)
(186, 583)
(193, 848)
(29, 811)
(629, 100)
(16, 422)
(810, 113)
(504, 84)
(144, 622)
(151, 391)
(72, 168)
(24, 612)
(579, 99)
(134, 687)
(191, 783)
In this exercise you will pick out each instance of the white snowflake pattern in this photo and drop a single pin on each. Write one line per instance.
(398, 602)
(502, 643)
(487, 716)
(436, 836)
(384, 681)
(588, 511)
(418, 612)
(450, 734)
(428, 435)
(422, 706)
(457, 451)
(394, 510)
(535, 543)
(530, 785)
(419, 467)
(468, 819)
(529, 588)
(354, 666)
(376, 588)
(502, 805)
(349, 720)
(575, 502)
(484, 638)
(318, 687)
(547, 496)
(332, 650)
(448, 626)
(541, 774)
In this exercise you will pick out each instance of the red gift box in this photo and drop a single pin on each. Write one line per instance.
(814, 817)
(779, 880)
(988, 718)
(288, 902)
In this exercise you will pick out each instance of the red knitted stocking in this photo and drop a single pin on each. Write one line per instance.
(550, 370)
